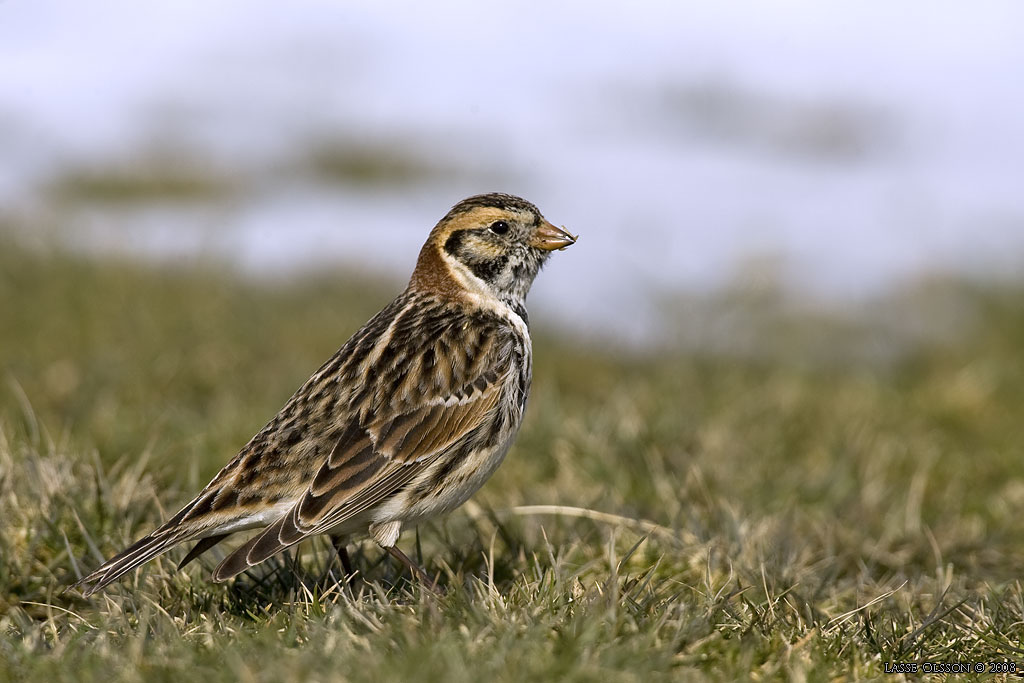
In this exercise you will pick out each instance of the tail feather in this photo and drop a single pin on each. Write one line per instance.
(138, 553)
(201, 547)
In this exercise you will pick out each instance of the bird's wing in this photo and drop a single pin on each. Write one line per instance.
(392, 438)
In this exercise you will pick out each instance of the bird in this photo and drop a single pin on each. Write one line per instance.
(403, 423)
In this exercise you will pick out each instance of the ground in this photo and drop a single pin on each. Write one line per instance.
(768, 493)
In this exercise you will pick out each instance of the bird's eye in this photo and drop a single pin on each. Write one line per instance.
(499, 227)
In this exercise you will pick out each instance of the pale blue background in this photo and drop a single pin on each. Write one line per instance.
(852, 145)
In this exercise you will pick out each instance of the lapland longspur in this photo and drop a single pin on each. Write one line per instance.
(406, 421)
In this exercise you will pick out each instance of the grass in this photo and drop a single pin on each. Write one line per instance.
(368, 164)
(160, 175)
(813, 510)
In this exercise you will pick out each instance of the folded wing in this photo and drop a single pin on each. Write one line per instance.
(379, 452)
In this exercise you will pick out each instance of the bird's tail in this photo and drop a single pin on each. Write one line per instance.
(135, 555)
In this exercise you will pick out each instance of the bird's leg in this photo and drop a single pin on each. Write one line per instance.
(346, 562)
(414, 568)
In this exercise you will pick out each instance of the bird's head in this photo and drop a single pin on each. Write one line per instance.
(491, 244)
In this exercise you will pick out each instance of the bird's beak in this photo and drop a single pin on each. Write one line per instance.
(549, 237)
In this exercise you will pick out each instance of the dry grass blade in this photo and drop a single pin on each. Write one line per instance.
(838, 621)
(679, 536)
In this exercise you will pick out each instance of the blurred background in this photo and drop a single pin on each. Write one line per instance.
(837, 149)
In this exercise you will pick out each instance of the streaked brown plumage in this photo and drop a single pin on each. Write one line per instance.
(406, 421)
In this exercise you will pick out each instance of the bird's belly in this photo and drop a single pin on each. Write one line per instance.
(432, 494)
